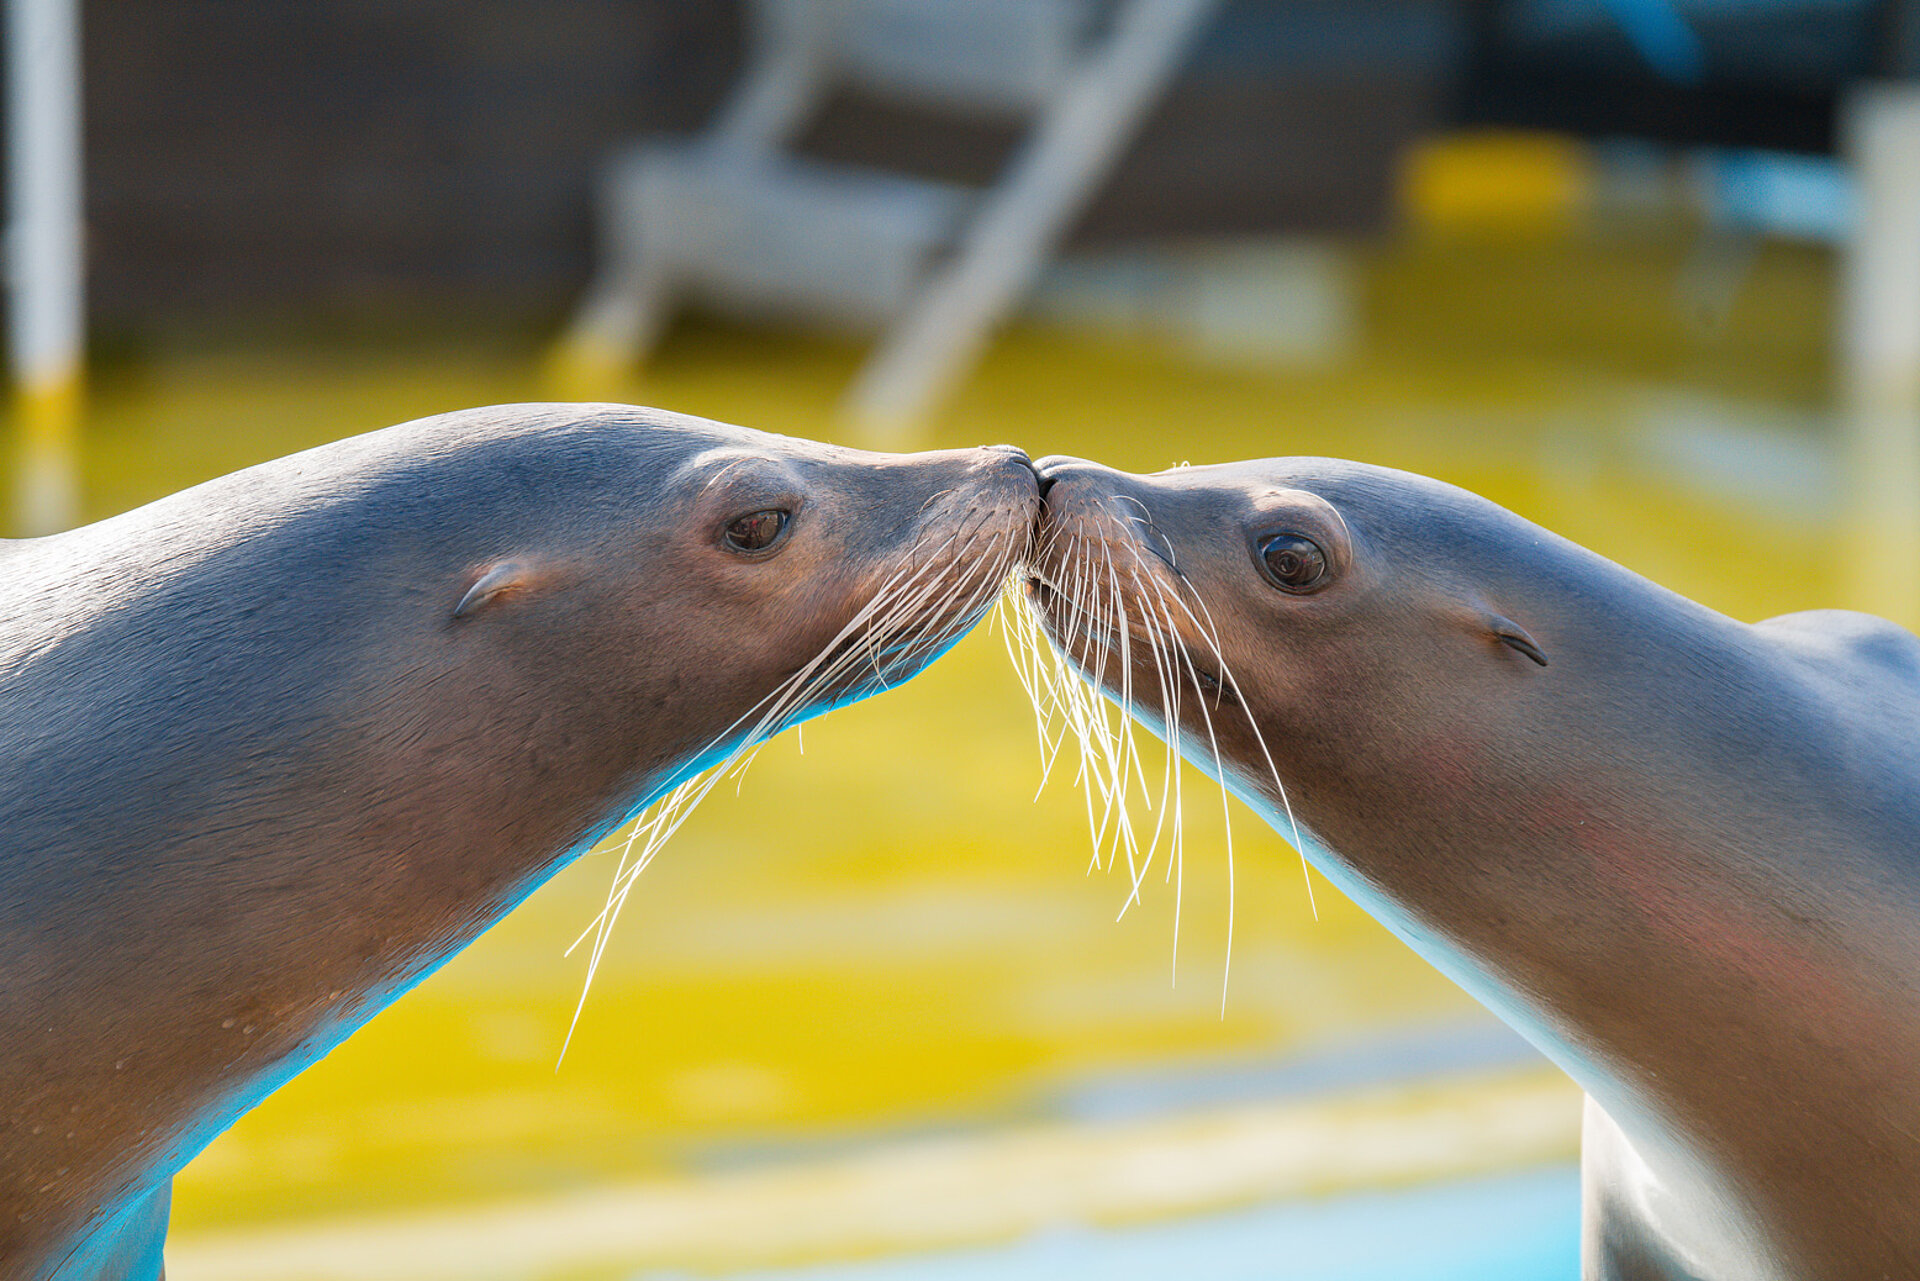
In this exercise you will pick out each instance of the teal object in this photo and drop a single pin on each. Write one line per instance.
(1513, 1227)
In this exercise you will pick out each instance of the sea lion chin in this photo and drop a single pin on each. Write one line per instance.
(1676, 851)
(273, 748)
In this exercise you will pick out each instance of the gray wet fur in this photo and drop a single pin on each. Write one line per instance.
(1683, 857)
(257, 779)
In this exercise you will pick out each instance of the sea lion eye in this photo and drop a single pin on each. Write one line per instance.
(1294, 563)
(755, 530)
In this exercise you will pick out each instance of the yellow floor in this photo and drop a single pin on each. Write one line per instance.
(921, 1195)
(889, 933)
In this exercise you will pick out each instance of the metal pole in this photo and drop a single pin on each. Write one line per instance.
(1078, 140)
(46, 314)
(1880, 352)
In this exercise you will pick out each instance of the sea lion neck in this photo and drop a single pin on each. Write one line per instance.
(1678, 855)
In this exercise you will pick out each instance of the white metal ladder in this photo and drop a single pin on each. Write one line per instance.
(730, 218)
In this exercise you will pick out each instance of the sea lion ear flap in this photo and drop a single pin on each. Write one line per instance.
(1514, 636)
(499, 577)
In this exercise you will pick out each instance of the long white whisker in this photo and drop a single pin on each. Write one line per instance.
(1230, 682)
(1107, 620)
(901, 618)
(1220, 775)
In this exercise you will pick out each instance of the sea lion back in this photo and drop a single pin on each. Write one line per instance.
(1888, 650)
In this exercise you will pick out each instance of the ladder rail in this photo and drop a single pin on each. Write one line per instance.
(1025, 214)
(937, 329)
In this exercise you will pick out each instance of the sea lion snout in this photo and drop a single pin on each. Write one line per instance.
(1053, 467)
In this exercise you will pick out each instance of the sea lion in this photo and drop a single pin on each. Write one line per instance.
(1677, 851)
(275, 747)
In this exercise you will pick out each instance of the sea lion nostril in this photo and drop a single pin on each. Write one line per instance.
(1047, 470)
(1018, 455)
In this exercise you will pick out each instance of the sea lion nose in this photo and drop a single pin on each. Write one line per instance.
(1018, 457)
(1048, 469)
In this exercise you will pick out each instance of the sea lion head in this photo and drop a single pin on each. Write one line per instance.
(672, 589)
(455, 652)
(1318, 632)
(482, 639)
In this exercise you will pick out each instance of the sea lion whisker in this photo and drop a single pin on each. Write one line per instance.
(1170, 697)
(1104, 768)
(1226, 814)
(1210, 633)
(1109, 755)
(1111, 764)
(675, 808)
(888, 643)
(885, 596)
(1168, 806)
(889, 635)
(919, 625)
(666, 819)
(1073, 712)
(1129, 704)
(1118, 741)
(1063, 696)
(1097, 629)
(1041, 679)
(1230, 681)
(653, 830)
(1116, 833)
(1088, 754)
(1177, 843)
(956, 556)
(1013, 636)
(1089, 719)
(932, 615)
(934, 498)
(1169, 559)
(924, 624)
(739, 772)
(1128, 747)
(1022, 648)
(1099, 736)
(1169, 778)
(1128, 765)
(1017, 636)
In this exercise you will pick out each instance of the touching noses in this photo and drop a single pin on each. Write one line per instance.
(1055, 467)
(1019, 457)
(1049, 469)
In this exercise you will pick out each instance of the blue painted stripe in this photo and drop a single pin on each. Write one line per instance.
(1515, 1227)
(1401, 1056)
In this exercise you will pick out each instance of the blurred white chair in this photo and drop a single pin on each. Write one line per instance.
(730, 219)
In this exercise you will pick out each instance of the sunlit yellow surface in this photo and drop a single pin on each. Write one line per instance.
(1499, 180)
(889, 934)
(923, 1193)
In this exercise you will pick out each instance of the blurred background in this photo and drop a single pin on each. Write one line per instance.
(1646, 271)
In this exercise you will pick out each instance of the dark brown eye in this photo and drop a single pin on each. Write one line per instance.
(1294, 563)
(755, 530)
